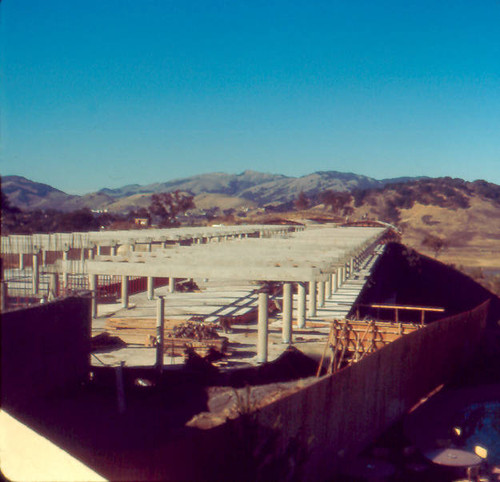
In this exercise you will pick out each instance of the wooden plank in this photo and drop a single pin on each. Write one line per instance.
(406, 307)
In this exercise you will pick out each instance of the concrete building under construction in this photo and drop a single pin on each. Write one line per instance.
(249, 352)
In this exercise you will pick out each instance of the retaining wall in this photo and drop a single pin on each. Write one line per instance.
(344, 412)
(310, 434)
(44, 348)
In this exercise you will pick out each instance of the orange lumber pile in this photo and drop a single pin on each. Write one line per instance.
(177, 335)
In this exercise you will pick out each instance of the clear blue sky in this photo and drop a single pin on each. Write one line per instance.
(106, 93)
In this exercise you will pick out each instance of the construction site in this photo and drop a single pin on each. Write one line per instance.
(251, 352)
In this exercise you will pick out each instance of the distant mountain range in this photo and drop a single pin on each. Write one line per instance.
(248, 188)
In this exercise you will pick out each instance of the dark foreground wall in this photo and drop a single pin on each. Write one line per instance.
(343, 413)
(309, 435)
(44, 348)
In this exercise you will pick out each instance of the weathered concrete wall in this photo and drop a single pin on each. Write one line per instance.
(44, 348)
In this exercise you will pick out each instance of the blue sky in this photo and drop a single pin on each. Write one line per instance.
(105, 93)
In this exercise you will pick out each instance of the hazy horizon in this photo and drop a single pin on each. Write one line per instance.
(78, 193)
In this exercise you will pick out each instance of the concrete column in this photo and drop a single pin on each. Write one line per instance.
(150, 246)
(321, 294)
(164, 244)
(328, 286)
(114, 248)
(313, 293)
(4, 295)
(99, 250)
(44, 257)
(287, 312)
(125, 291)
(93, 289)
(21, 260)
(132, 246)
(65, 272)
(53, 286)
(262, 328)
(35, 274)
(171, 285)
(91, 253)
(351, 267)
(160, 332)
(301, 305)
(335, 282)
(151, 289)
(120, 388)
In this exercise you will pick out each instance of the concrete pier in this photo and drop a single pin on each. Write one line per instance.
(125, 291)
(53, 286)
(160, 333)
(335, 285)
(151, 289)
(93, 289)
(301, 305)
(321, 294)
(287, 312)
(262, 327)
(35, 274)
(313, 294)
(65, 257)
(171, 285)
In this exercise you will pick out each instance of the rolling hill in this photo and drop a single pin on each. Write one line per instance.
(258, 188)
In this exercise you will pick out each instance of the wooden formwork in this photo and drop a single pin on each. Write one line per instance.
(350, 340)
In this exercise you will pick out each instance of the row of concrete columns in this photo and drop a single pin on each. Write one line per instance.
(86, 253)
(318, 292)
(125, 288)
(91, 252)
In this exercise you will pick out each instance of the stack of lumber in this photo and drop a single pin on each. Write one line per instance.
(142, 331)
(137, 330)
(177, 346)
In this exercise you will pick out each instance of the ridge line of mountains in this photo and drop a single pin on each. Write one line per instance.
(249, 188)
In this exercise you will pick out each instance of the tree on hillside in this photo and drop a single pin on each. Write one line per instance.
(302, 202)
(80, 220)
(10, 214)
(435, 244)
(166, 206)
(336, 200)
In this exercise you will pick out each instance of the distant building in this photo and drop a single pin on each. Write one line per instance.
(142, 221)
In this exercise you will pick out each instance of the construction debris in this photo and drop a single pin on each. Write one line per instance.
(195, 331)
